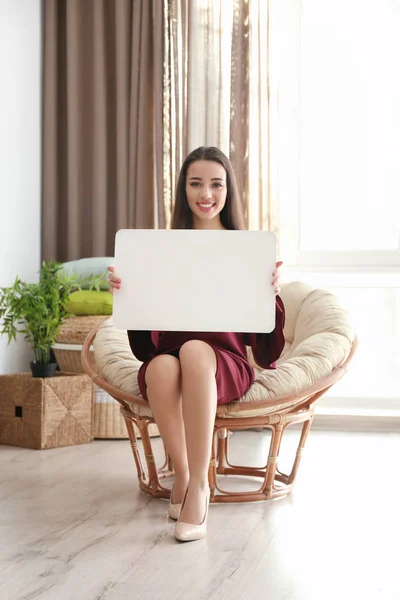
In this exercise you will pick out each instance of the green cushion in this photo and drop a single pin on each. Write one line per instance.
(89, 302)
(88, 267)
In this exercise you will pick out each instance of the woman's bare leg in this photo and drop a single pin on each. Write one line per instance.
(163, 381)
(199, 401)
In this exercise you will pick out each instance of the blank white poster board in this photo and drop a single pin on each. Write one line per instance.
(192, 280)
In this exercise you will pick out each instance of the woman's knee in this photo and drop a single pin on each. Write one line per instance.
(163, 371)
(197, 356)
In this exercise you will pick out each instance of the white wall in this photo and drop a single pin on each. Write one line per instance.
(20, 156)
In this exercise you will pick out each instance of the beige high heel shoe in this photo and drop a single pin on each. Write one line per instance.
(174, 510)
(189, 532)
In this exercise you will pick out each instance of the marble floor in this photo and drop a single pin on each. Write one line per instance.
(74, 526)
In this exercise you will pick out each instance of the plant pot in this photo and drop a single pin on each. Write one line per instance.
(40, 370)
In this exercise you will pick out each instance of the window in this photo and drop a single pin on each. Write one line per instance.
(347, 207)
(340, 179)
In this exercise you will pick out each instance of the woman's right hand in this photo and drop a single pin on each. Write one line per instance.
(114, 281)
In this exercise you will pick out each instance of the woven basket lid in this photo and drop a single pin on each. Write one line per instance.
(75, 329)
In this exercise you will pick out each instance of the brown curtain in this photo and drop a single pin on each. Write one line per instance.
(102, 123)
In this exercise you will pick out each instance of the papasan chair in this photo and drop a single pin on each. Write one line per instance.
(320, 343)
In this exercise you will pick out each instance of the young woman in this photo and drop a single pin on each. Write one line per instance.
(186, 374)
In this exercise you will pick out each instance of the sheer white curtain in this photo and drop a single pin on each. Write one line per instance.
(221, 88)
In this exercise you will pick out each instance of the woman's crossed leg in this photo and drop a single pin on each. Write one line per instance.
(183, 397)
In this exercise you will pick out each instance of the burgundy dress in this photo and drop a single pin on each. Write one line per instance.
(234, 374)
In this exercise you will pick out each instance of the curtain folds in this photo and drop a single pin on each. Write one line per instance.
(130, 87)
(219, 90)
(102, 124)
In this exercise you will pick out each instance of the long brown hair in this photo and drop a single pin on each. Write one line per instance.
(232, 213)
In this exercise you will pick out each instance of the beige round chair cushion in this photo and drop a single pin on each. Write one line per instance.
(318, 337)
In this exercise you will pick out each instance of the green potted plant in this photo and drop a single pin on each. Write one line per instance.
(37, 310)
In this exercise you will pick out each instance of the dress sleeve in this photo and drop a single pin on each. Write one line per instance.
(267, 347)
(142, 345)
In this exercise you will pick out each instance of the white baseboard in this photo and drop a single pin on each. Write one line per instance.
(344, 403)
(357, 420)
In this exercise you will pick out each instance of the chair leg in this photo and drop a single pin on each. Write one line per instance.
(276, 439)
(219, 463)
(170, 467)
(135, 451)
(222, 451)
(154, 481)
(212, 471)
(167, 469)
(289, 479)
(150, 484)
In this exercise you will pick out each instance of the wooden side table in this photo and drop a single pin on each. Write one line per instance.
(46, 413)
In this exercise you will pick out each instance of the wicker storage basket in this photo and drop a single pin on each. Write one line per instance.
(108, 422)
(46, 413)
(68, 357)
(75, 329)
(69, 341)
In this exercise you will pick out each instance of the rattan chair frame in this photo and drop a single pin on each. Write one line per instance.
(274, 483)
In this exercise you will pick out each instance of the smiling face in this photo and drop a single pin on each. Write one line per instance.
(206, 192)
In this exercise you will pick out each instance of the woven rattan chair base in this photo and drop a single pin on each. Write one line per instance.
(274, 483)
(291, 409)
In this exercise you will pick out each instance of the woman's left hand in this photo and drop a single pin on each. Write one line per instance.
(276, 278)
